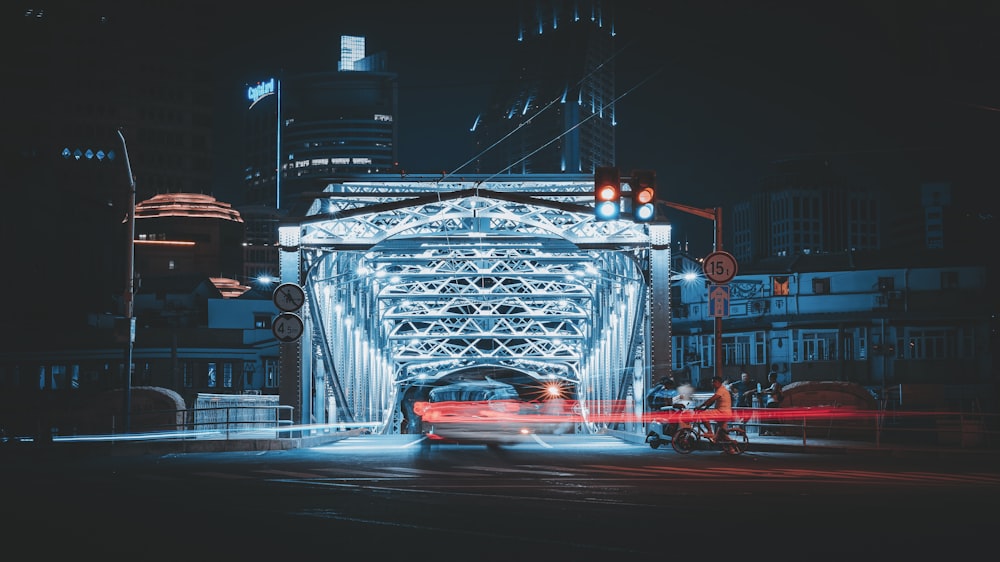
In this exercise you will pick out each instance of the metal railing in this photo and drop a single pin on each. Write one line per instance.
(241, 421)
(267, 421)
(882, 428)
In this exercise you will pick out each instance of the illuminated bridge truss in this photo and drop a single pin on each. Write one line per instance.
(410, 280)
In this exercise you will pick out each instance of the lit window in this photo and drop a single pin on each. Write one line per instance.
(271, 373)
(262, 321)
(779, 286)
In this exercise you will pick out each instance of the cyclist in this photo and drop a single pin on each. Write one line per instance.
(723, 401)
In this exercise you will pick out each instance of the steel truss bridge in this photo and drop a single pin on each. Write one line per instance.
(416, 281)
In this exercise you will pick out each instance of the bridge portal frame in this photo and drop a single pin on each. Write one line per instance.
(368, 222)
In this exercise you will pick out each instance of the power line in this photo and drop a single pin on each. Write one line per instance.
(540, 112)
(567, 131)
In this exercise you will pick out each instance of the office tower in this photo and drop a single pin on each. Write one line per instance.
(554, 110)
(331, 122)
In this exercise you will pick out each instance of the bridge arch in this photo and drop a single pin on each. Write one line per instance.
(412, 280)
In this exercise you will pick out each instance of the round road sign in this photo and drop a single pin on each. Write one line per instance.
(719, 267)
(288, 297)
(287, 327)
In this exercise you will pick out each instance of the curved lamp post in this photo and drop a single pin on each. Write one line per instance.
(129, 287)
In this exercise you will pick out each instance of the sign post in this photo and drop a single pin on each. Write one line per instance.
(719, 268)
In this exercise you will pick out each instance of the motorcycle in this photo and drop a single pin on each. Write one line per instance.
(661, 431)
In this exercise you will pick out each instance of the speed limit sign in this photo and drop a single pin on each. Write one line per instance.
(719, 267)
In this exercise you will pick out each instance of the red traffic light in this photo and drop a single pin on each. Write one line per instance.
(607, 193)
(607, 184)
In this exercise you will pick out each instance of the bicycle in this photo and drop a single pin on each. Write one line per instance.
(689, 438)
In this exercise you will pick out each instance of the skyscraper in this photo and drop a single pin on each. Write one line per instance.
(555, 109)
(313, 125)
(309, 126)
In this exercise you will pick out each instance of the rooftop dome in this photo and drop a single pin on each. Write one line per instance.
(195, 205)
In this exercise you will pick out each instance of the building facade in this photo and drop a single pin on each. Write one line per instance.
(334, 123)
(875, 318)
(837, 282)
(188, 233)
(307, 126)
(190, 339)
(199, 329)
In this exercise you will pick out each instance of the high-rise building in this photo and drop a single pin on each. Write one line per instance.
(313, 125)
(555, 109)
(804, 207)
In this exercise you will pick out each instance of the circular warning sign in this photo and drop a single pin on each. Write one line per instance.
(719, 267)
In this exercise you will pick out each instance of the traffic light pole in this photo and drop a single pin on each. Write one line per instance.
(713, 214)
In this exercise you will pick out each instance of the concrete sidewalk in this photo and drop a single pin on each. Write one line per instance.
(152, 446)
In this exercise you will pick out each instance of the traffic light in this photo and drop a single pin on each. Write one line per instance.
(643, 185)
(607, 193)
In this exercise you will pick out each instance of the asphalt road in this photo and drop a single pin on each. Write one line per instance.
(562, 498)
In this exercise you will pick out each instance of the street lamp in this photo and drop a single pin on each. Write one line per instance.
(129, 286)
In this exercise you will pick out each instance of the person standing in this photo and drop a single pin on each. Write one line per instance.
(743, 390)
(773, 395)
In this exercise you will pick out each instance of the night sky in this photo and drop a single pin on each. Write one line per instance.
(713, 92)
(892, 93)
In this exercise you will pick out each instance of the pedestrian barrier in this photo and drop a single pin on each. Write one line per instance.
(956, 430)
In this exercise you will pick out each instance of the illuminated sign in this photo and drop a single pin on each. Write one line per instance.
(260, 90)
(383, 118)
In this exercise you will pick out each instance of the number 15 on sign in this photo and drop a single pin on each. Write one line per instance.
(720, 267)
